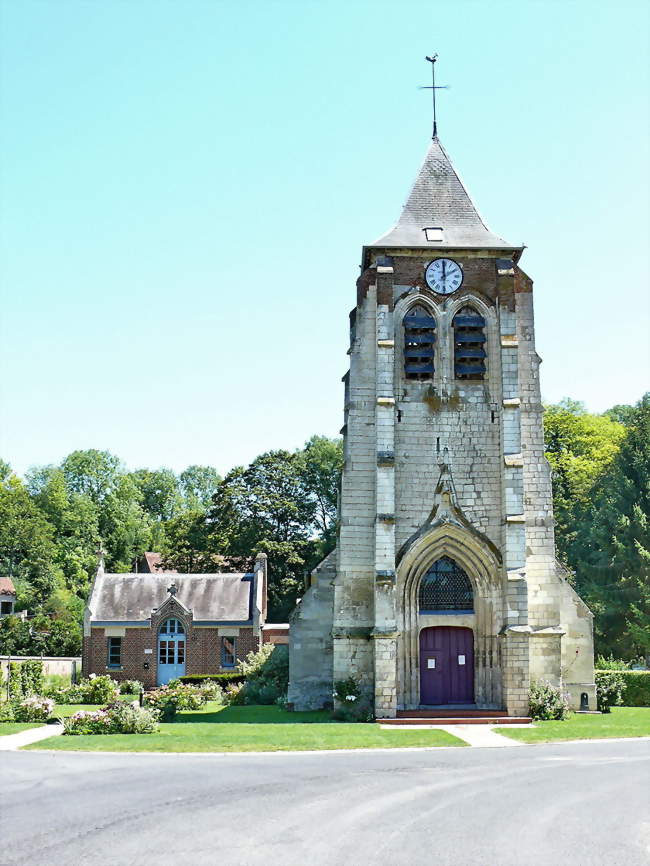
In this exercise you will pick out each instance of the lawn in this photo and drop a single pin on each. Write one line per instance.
(16, 727)
(253, 729)
(621, 722)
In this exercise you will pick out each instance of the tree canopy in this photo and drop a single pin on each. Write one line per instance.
(285, 504)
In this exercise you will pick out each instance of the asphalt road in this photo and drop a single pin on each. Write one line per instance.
(586, 803)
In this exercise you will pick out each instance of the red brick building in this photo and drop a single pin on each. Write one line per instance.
(154, 625)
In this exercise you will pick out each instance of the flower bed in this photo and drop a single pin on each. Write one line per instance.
(175, 696)
(94, 690)
(116, 718)
(32, 709)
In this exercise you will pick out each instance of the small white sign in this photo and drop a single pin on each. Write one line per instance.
(148, 652)
(431, 663)
(461, 660)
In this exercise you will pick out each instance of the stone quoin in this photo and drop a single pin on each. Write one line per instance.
(444, 582)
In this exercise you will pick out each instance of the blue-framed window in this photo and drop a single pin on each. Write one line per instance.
(446, 588)
(228, 652)
(114, 652)
(172, 626)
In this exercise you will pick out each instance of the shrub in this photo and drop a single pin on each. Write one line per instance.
(267, 675)
(116, 718)
(87, 722)
(127, 719)
(233, 693)
(637, 687)
(7, 711)
(25, 678)
(546, 702)
(67, 694)
(55, 681)
(610, 686)
(15, 681)
(611, 664)
(130, 687)
(350, 706)
(99, 690)
(222, 679)
(175, 696)
(164, 701)
(33, 709)
(94, 690)
(212, 692)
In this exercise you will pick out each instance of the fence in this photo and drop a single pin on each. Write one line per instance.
(69, 666)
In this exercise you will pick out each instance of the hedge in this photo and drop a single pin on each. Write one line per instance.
(637, 687)
(222, 679)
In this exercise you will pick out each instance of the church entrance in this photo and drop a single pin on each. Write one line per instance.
(446, 665)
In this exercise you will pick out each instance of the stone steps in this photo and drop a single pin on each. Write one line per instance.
(489, 718)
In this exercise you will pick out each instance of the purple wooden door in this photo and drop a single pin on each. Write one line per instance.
(446, 665)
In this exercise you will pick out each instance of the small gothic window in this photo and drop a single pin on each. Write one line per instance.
(419, 343)
(469, 345)
(172, 626)
(446, 587)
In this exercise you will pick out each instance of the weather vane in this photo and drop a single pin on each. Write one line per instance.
(433, 88)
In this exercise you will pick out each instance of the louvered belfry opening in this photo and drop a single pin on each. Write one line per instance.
(469, 345)
(445, 587)
(419, 344)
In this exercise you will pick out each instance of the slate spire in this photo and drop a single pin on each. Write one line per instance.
(438, 199)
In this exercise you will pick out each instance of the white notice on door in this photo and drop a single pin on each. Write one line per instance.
(461, 660)
(431, 663)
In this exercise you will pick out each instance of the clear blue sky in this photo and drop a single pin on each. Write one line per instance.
(186, 187)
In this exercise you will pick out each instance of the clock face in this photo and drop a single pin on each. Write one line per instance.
(444, 276)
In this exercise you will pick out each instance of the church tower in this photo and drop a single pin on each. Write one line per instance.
(444, 588)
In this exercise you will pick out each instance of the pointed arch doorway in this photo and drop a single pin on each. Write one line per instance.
(446, 665)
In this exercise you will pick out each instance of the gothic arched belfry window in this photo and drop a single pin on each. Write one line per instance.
(445, 587)
(469, 345)
(419, 344)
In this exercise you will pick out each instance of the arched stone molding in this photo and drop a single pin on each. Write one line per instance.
(405, 304)
(480, 560)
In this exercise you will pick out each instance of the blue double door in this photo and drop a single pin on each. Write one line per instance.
(171, 651)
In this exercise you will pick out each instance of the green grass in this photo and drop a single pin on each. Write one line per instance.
(621, 722)
(253, 729)
(16, 727)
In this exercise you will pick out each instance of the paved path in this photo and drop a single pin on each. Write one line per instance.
(584, 804)
(474, 735)
(31, 735)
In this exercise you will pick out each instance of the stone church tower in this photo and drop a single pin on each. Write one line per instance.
(444, 587)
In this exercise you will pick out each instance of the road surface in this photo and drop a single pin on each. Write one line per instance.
(583, 803)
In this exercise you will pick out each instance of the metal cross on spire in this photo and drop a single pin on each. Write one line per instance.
(433, 88)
